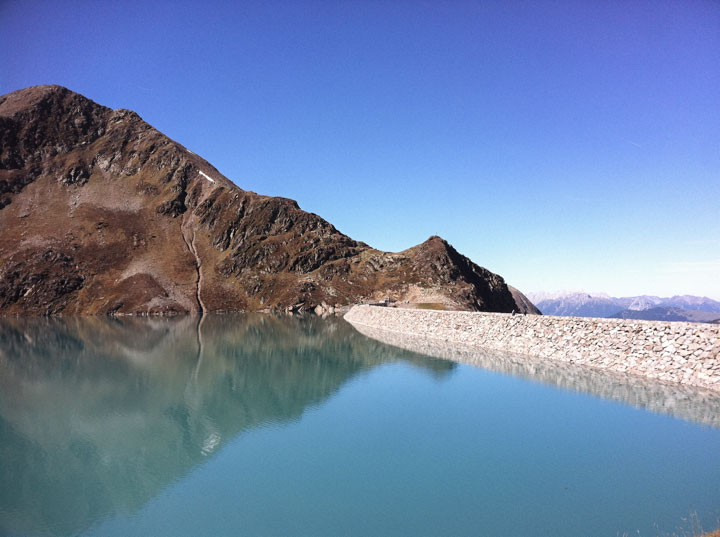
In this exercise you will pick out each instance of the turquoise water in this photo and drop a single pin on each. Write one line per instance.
(278, 426)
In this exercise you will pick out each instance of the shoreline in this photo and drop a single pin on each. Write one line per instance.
(680, 353)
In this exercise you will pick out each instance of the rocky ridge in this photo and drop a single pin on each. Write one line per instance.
(103, 214)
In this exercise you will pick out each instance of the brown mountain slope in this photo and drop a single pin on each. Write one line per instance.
(523, 303)
(101, 213)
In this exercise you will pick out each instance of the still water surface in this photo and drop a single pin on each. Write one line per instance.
(278, 426)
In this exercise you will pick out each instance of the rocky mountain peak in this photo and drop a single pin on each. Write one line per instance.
(102, 213)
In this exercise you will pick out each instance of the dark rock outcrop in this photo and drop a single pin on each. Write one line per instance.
(524, 305)
(102, 214)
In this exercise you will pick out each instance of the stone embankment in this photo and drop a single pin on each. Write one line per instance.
(685, 353)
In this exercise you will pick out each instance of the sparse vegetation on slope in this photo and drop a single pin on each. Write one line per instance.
(103, 214)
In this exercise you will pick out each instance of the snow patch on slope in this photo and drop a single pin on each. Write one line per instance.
(206, 176)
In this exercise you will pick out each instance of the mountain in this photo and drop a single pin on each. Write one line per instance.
(575, 304)
(524, 304)
(690, 302)
(663, 313)
(687, 302)
(581, 304)
(639, 303)
(103, 214)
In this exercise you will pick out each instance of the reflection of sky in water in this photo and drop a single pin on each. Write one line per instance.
(262, 425)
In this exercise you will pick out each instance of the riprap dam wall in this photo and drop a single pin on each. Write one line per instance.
(685, 353)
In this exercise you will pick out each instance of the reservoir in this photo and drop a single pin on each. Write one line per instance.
(265, 425)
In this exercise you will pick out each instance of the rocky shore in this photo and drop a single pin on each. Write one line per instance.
(669, 352)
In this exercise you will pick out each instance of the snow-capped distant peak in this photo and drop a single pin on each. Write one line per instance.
(536, 297)
(640, 303)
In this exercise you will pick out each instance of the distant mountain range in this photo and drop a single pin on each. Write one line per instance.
(582, 304)
(669, 314)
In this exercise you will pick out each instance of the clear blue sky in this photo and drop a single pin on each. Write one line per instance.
(564, 145)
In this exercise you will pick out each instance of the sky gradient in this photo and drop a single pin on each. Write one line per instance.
(563, 145)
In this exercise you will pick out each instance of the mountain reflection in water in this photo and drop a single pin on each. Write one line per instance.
(98, 415)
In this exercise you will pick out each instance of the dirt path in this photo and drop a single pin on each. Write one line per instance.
(190, 244)
(188, 230)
